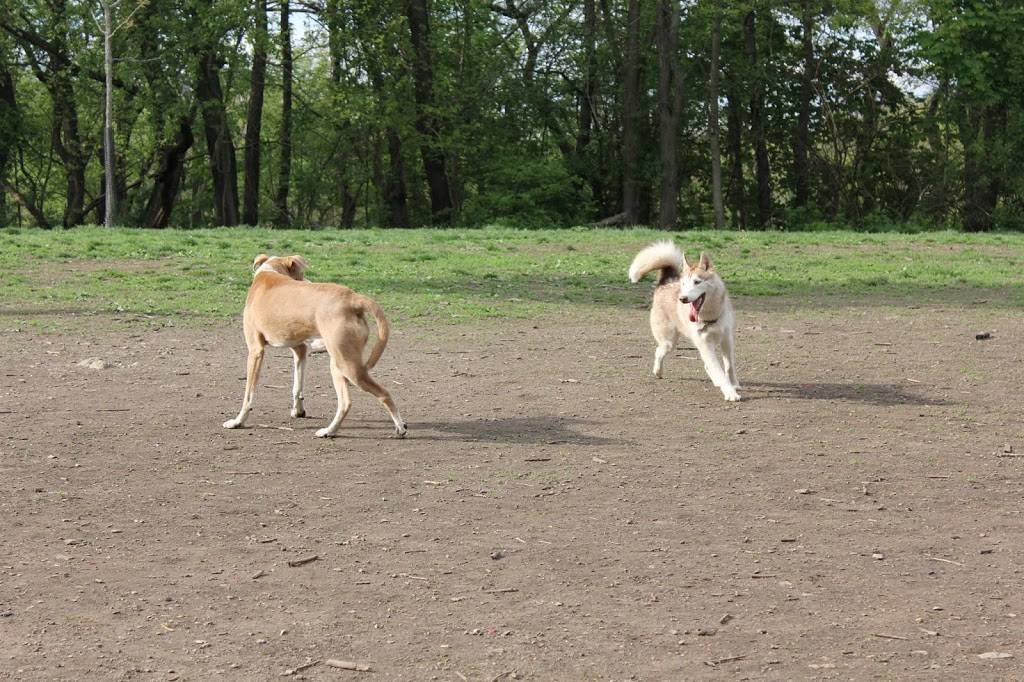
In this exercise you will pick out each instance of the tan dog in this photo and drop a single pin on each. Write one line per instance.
(284, 309)
(690, 300)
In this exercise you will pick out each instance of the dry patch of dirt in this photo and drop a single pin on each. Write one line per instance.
(555, 513)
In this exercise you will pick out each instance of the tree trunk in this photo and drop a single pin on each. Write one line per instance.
(631, 116)
(714, 135)
(801, 139)
(670, 104)
(219, 146)
(980, 135)
(254, 118)
(109, 182)
(282, 218)
(9, 128)
(169, 176)
(734, 143)
(427, 123)
(395, 192)
(761, 169)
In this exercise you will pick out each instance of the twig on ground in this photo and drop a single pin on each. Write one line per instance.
(349, 665)
(502, 590)
(884, 636)
(295, 563)
(945, 561)
(728, 659)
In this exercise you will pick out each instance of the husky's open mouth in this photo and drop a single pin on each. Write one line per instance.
(695, 306)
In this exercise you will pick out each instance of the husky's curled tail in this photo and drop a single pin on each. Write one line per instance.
(664, 256)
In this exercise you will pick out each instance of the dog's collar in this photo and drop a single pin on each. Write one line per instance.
(707, 323)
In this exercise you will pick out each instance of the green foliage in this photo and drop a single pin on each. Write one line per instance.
(525, 192)
(914, 116)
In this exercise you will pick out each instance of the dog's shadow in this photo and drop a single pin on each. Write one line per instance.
(545, 430)
(882, 395)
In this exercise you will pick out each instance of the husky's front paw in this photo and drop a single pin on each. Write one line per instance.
(324, 433)
(231, 424)
(298, 413)
(402, 429)
(730, 394)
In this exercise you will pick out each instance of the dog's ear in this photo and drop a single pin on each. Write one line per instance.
(297, 267)
(705, 262)
(686, 261)
(259, 260)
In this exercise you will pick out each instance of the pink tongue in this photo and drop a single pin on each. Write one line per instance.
(693, 312)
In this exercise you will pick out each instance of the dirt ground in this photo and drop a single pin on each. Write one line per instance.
(556, 513)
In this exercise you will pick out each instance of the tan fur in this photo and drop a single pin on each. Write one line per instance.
(284, 309)
(713, 333)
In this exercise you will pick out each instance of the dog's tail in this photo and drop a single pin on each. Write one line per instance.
(368, 305)
(663, 255)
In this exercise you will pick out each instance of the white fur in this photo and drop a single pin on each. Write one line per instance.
(656, 256)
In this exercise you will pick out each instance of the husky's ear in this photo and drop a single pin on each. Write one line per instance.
(259, 260)
(705, 262)
(686, 261)
(296, 267)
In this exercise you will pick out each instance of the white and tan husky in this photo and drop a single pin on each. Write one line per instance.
(690, 300)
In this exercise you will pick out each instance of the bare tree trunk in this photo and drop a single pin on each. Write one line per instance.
(254, 119)
(761, 170)
(714, 147)
(631, 116)
(395, 192)
(110, 186)
(219, 145)
(734, 144)
(9, 127)
(169, 175)
(801, 141)
(427, 123)
(285, 168)
(670, 104)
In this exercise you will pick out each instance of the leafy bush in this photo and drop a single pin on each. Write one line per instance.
(524, 192)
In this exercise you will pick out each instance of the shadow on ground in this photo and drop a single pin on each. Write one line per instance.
(884, 395)
(544, 430)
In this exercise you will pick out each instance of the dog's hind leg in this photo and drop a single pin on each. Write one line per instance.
(344, 400)
(361, 378)
(299, 357)
(252, 376)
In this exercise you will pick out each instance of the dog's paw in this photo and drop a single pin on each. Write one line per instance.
(324, 433)
(231, 424)
(731, 395)
(400, 431)
(657, 375)
(298, 414)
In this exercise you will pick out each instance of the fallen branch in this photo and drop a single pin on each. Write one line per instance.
(884, 636)
(502, 590)
(349, 665)
(295, 563)
(945, 561)
(728, 659)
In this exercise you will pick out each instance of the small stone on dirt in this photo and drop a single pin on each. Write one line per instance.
(94, 363)
(878, 555)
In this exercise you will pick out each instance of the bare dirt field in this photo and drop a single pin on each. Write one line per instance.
(556, 513)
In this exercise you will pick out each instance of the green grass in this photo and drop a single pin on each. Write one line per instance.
(455, 275)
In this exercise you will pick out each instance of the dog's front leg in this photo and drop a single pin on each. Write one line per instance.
(729, 358)
(299, 356)
(252, 376)
(713, 365)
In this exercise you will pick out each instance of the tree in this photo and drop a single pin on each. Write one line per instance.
(428, 125)
(670, 105)
(254, 116)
